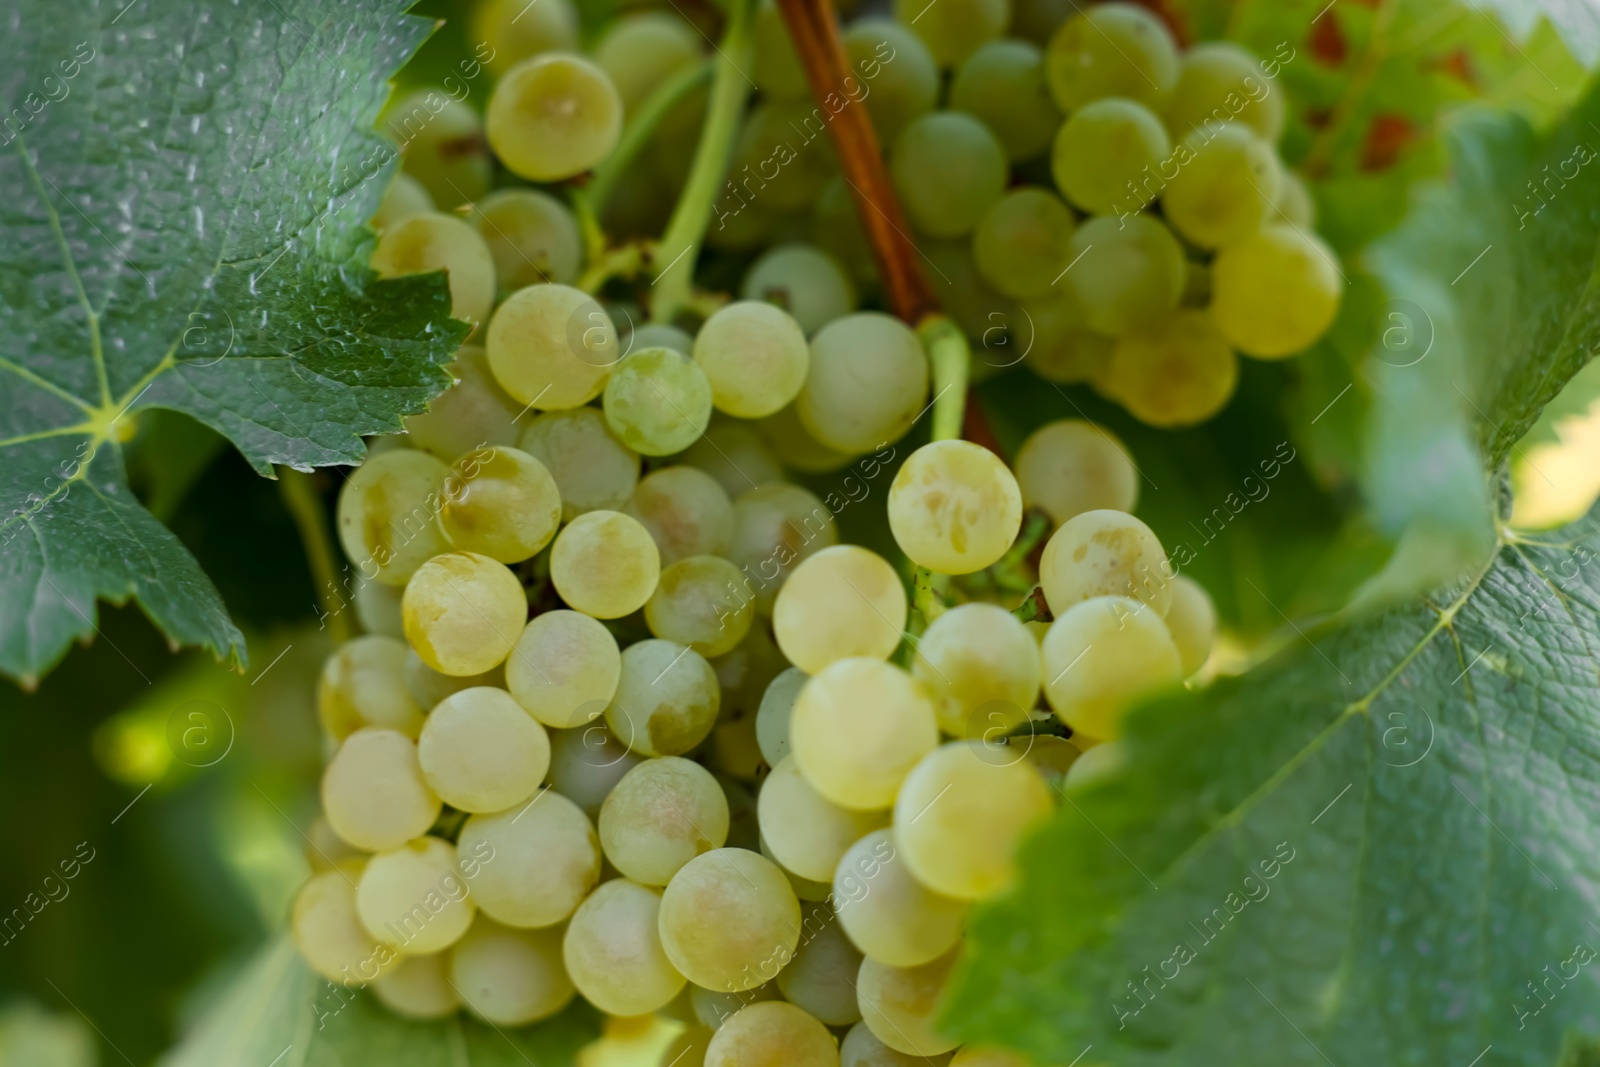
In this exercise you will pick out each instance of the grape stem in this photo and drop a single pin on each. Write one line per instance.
(594, 238)
(950, 360)
(623, 262)
(1035, 608)
(641, 127)
(929, 601)
(680, 244)
(299, 493)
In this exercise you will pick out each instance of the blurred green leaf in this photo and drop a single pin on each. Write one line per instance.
(33, 1037)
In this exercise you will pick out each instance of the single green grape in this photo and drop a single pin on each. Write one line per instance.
(948, 169)
(1226, 183)
(1021, 244)
(900, 70)
(1002, 83)
(1126, 272)
(658, 401)
(954, 29)
(1114, 49)
(554, 117)
(1105, 155)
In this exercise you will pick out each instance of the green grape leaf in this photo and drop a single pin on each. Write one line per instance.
(182, 201)
(277, 1007)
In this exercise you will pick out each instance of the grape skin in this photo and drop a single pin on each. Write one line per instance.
(362, 684)
(480, 751)
(858, 729)
(1219, 81)
(463, 612)
(804, 281)
(642, 50)
(806, 833)
(442, 146)
(686, 510)
(418, 989)
(1020, 245)
(729, 920)
(1180, 372)
(516, 31)
(564, 668)
(543, 858)
(821, 977)
(405, 197)
(553, 117)
(373, 792)
(1101, 151)
(867, 383)
(510, 977)
(843, 601)
(772, 1034)
(1276, 292)
(501, 503)
(772, 719)
(1105, 553)
(605, 564)
(551, 347)
(412, 897)
(861, 1049)
(473, 413)
(900, 1005)
(1129, 271)
(1115, 49)
(660, 815)
(328, 933)
(667, 699)
(532, 236)
(954, 29)
(889, 915)
(1225, 187)
(755, 357)
(1192, 621)
(904, 76)
(388, 514)
(698, 602)
(658, 401)
(1132, 655)
(612, 950)
(1071, 466)
(982, 666)
(593, 469)
(1002, 83)
(948, 169)
(432, 242)
(774, 528)
(954, 508)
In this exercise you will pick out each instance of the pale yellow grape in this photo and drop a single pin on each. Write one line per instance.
(463, 612)
(1192, 621)
(858, 728)
(326, 850)
(712, 1008)
(658, 401)
(1276, 292)
(1105, 553)
(660, 335)
(660, 815)
(373, 791)
(1002, 83)
(605, 564)
(1179, 372)
(772, 1034)
(1129, 272)
(502, 503)
(564, 668)
(733, 750)
(686, 511)
(960, 815)
(688, 1049)
(513, 30)
(532, 236)
(975, 1056)
(889, 915)
(796, 447)
(1115, 49)
(953, 31)
(860, 1049)
(442, 145)
(666, 701)
(754, 355)
(901, 1005)
(1294, 206)
(1070, 466)
(612, 950)
(378, 609)
(806, 833)
(510, 977)
(363, 684)
(405, 197)
(774, 528)
(822, 976)
(593, 469)
(640, 51)
(413, 898)
(776, 69)
(1220, 81)
(1100, 657)
(328, 933)
(1051, 756)
(982, 666)
(389, 514)
(867, 383)
(546, 858)
(1225, 187)
(1104, 153)
(429, 687)
(1097, 763)
(553, 117)
(804, 888)
(481, 751)
(736, 456)
(586, 763)
(1020, 245)
(425, 243)
(1057, 343)
(843, 601)
(954, 508)
(418, 989)
(472, 413)
(777, 707)
(701, 602)
(550, 347)
(804, 281)
(729, 920)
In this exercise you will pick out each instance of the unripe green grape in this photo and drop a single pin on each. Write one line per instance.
(1192, 621)
(388, 513)
(1059, 346)
(841, 602)
(777, 70)
(821, 979)
(667, 699)
(553, 117)
(1294, 207)
(777, 707)
(1021, 243)
(867, 383)
(472, 413)
(537, 861)
(974, 1056)
(604, 564)
(890, 916)
(327, 930)
(564, 668)
(404, 198)
(501, 503)
(954, 508)
(1275, 292)
(593, 469)
(783, 155)
(736, 456)
(858, 728)
(1101, 151)
(953, 31)
(532, 236)
(413, 898)
(481, 751)
(775, 527)
(657, 401)
(641, 50)
(1105, 553)
(516, 30)
(1132, 656)
(1220, 81)
(772, 1034)
(797, 448)
(378, 609)
(807, 833)
(612, 950)
(661, 814)
(1002, 83)
(463, 612)
(893, 59)
(1224, 190)
(1070, 466)
(373, 791)
(900, 1005)
(982, 666)
(1129, 271)
(948, 169)
(688, 1049)
(804, 281)
(836, 228)
(686, 511)
(1100, 761)
(426, 243)
(363, 684)
(701, 602)
(1115, 49)
(961, 814)
(510, 977)
(729, 921)
(551, 346)
(1178, 372)
(586, 763)
(441, 146)
(861, 1049)
(418, 989)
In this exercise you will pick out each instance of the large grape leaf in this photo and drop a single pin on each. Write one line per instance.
(276, 1013)
(1431, 773)
(182, 196)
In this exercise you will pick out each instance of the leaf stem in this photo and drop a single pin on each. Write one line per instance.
(641, 127)
(299, 492)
